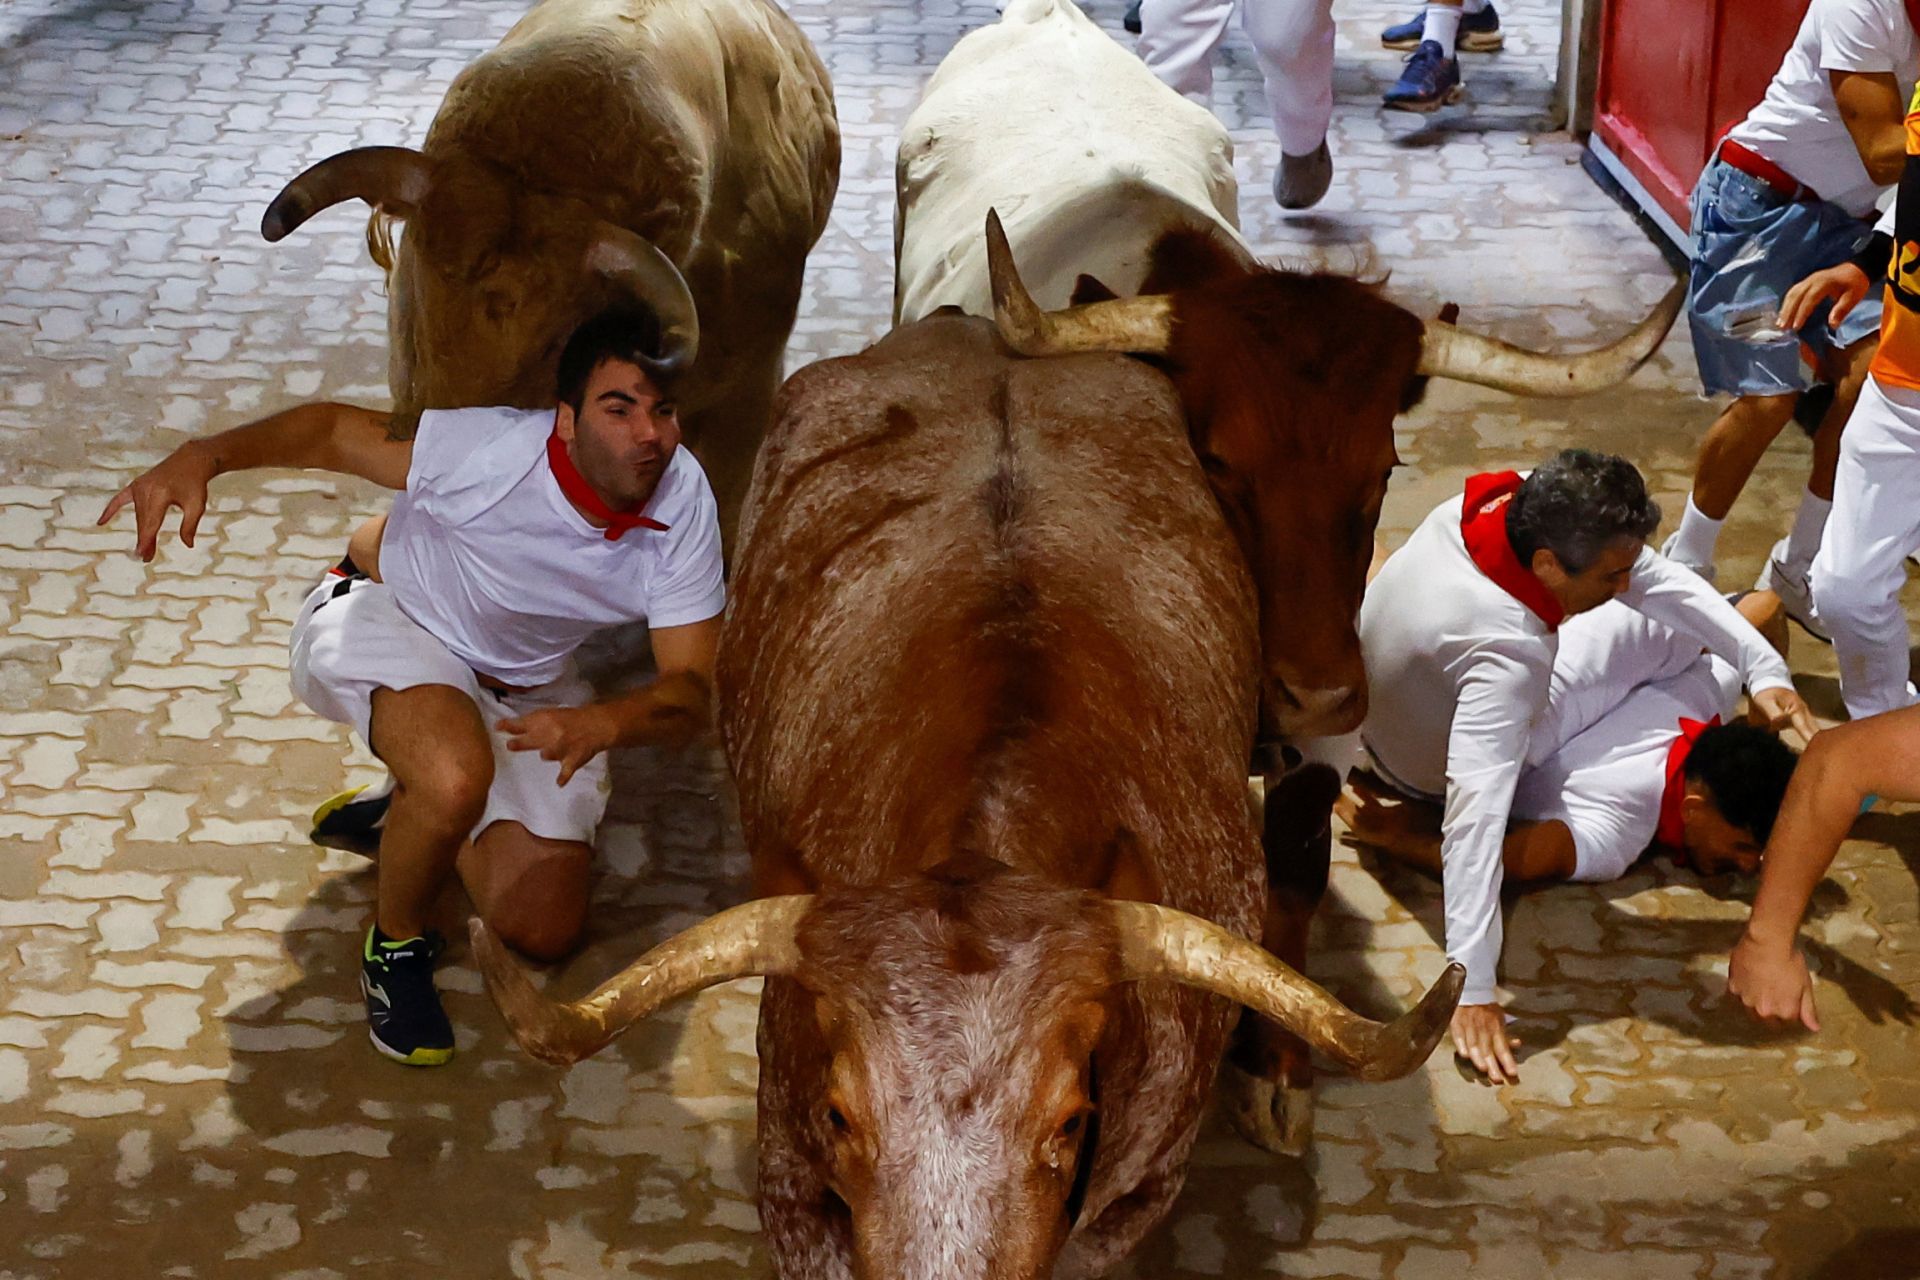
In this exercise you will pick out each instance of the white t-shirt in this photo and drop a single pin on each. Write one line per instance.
(486, 553)
(1598, 761)
(1458, 673)
(1797, 125)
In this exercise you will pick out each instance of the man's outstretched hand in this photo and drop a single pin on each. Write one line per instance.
(1480, 1036)
(1773, 984)
(178, 481)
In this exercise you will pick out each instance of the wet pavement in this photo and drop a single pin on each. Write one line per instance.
(185, 1086)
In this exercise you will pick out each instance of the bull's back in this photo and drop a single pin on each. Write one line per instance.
(1101, 158)
(651, 112)
(981, 594)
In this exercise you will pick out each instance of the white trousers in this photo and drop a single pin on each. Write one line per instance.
(1861, 566)
(1292, 40)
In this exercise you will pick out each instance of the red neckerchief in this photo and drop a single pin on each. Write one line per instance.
(581, 494)
(1670, 831)
(1483, 524)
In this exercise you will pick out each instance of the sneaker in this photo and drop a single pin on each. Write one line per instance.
(404, 1017)
(353, 819)
(1479, 32)
(1300, 181)
(1431, 81)
(1131, 18)
(1795, 596)
(1667, 549)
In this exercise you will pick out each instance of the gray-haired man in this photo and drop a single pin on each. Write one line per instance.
(1459, 631)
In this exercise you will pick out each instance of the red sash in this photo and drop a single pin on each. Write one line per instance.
(581, 494)
(1670, 831)
(1483, 524)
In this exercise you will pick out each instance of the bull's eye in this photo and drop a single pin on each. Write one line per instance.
(838, 1121)
(1071, 1127)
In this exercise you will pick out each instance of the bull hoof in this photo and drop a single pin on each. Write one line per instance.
(1270, 1115)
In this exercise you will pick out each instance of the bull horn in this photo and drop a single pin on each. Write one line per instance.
(742, 942)
(636, 265)
(1142, 326)
(1449, 352)
(1159, 942)
(391, 179)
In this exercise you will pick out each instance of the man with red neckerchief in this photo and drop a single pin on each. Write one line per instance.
(1460, 630)
(1637, 748)
(446, 636)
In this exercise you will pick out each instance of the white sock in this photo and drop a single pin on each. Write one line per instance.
(1697, 539)
(1443, 26)
(1808, 524)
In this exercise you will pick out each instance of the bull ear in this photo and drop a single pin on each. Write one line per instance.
(1087, 289)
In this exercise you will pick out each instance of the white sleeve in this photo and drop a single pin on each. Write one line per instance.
(1857, 35)
(1504, 684)
(1683, 600)
(1884, 224)
(689, 585)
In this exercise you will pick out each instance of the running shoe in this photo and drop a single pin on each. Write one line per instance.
(404, 1017)
(1796, 597)
(1430, 81)
(1479, 32)
(354, 819)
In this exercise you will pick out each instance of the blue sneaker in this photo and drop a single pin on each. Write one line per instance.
(1479, 32)
(1431, 81)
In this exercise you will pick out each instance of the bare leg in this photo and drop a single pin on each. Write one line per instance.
(531, 890)
(1733, 447)
(1408, 831)
(432, 739)
(1849, 378)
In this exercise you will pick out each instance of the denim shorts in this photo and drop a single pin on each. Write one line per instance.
(1750, 245)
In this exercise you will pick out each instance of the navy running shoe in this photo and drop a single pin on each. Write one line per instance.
(1479, 32)
(1430, 81)
(353, 819)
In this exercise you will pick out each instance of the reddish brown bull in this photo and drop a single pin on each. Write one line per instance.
(1290, 384)
(988, 686)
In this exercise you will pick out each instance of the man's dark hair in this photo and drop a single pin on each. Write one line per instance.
(628, 332)
(1576, 505)
(1745, 771)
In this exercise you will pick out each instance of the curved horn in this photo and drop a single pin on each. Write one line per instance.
(636, 265)
(1159, 942)
(391, 179)
(1143, 326)
(1448, 352)
(741, 942)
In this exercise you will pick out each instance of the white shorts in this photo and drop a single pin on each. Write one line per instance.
(351, 638)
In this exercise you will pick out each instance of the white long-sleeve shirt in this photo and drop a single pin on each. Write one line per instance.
(1458, 675)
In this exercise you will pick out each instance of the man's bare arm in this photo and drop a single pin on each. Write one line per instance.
(673, 708)
(1874, 112)
(1840, 768)
(341, 438)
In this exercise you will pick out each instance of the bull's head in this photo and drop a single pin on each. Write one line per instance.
(936, 1078)
(1291, 384)
(494, 280)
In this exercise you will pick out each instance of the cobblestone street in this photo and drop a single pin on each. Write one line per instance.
(186, 1089)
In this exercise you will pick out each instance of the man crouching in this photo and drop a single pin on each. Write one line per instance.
(446, 638)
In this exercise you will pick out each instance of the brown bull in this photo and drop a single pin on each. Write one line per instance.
(1290, 383)
(603, 144)
(988, 686)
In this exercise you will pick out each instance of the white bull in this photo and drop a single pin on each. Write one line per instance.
(1098, 159)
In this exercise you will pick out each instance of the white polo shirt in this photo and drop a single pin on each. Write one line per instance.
(485, 551)
(1459, 671)
(1797, 125)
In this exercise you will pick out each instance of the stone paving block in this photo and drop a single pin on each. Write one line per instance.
(156, 773)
